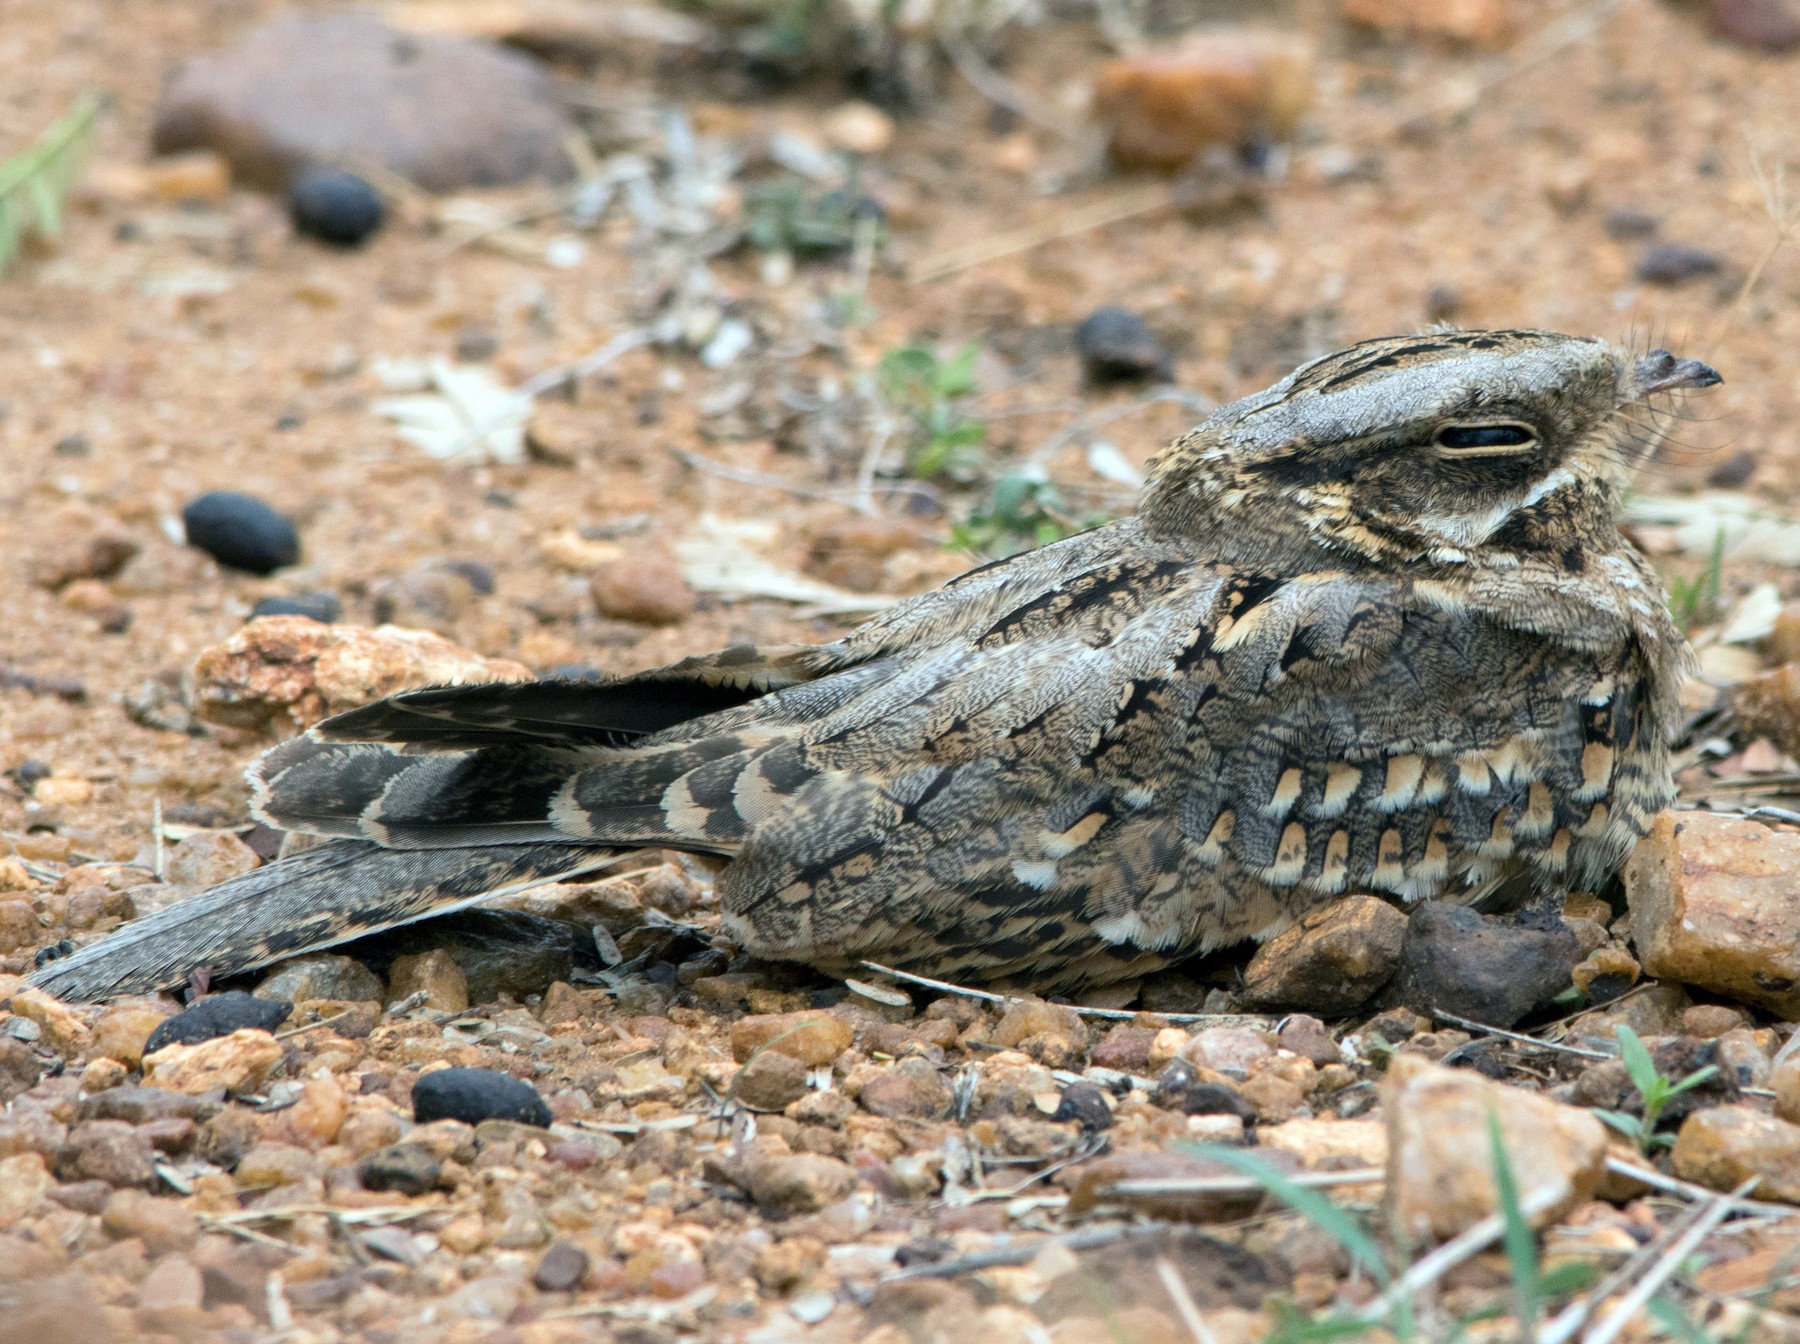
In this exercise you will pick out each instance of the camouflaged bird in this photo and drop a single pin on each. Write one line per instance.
(1372, 629)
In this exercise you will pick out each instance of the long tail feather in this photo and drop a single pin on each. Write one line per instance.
(315, 900)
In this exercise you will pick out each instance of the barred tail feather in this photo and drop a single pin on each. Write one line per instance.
(317, 899)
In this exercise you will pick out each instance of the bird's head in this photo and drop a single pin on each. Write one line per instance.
(1416, 449)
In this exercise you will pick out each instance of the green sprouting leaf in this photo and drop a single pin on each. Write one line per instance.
(956, 376)
(1667, 1313)
(33, 183)
(1639, 1067)
(1631, 1126)
(1694, 1079)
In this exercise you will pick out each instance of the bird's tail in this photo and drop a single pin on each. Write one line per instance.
(320, 897)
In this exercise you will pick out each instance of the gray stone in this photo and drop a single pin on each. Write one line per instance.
(445, 112)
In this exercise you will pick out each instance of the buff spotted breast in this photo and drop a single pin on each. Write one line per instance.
(1370, 630)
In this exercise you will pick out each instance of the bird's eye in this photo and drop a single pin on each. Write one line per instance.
(1497, 438)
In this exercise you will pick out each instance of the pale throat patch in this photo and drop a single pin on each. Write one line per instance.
(1473, 529)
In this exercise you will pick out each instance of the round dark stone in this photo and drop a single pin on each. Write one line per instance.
(218, 1015)
(321, 607)
(241, 532)
(1216, 1099)
(28, 773)
(404, 1168)
(563, 1268)
(1085, 1103)
(1116, 344)
(334, 206)
(1673, 263)
(474, 1095)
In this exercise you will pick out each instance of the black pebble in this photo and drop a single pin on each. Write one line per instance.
(474, 1095)
(1672, 263)
(1734, 471)
(1627, 221)
(241, 532)
(1217, 1099)
(1085, 1103)
(321, 607)
(218, 1015)
(563, 1267)
(925, 1251)
(1116, 344)
(334, 206)
(27, 773)
(404, 1168)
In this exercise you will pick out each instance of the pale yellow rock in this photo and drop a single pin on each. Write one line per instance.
(1440, 1177)
(285, 673)
(859, 127)
(237, 1063)
(23, 1181)
(1712, 904)
(62, 1025)
(124, 1026)
(1165, 1046)
(62, 791)
(1723, 1146)
(1316, 1141)
(434, 974)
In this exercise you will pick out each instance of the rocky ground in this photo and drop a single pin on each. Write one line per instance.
(776, 326)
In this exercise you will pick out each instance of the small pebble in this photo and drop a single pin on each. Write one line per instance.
(1734, 472)
(218, 1015)
(562, 1269)
(321, 607)
(474, 1095)
(1627, 221)
(1085, 1104)
(1116, 344)
(476, 344)
(404, 1168)
(1674, 263)
(241, 532)
(1443, 303)
(334, 206)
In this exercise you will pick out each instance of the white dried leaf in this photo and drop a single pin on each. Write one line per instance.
(1107, 462)
(468, 416)
(716, 557)
(1753, 617)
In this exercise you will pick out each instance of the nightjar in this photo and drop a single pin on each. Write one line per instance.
(1370, 630)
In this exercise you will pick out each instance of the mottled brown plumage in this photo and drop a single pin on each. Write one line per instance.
(1371, 630)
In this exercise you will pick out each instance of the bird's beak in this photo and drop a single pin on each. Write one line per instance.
(1660, 371)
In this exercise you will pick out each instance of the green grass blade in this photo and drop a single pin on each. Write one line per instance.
(1518, 1238)
(1309, 1204)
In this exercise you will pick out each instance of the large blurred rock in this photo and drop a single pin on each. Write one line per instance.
(1713, 904)
(284, 673)
(445, 112)
(1228, 87)
(1492, 970)
(1331, 961)
(1768, 704)
(1480, 23)
(1440, 1175)
(1727, 1145)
